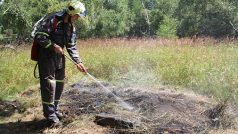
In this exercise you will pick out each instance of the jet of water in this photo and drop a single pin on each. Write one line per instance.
(123, 103)
(118, 99)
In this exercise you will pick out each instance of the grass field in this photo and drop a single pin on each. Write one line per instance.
(204, 66)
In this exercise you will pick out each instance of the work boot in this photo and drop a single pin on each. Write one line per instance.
(57, 111)
(54, 123)
(59, 115)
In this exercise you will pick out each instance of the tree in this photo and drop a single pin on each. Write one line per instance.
(168, 27)
(108, 18)
(21, 16)
(114, 18)
(206, 17)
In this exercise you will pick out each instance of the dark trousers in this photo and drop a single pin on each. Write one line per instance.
(52, 74)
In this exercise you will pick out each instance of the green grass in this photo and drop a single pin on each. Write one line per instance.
(16, 71)
(210, 69)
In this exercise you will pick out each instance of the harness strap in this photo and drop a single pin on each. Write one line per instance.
(35, 71)
(55, 24)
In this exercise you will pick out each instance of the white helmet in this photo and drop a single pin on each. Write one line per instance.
(76, 7)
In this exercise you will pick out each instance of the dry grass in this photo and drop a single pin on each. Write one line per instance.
(203, 65)
(228, 131)
(189, 63)
(82, 125)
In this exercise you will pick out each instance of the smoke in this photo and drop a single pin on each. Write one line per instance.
(122, 102)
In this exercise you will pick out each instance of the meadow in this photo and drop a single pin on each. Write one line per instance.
(205, 66)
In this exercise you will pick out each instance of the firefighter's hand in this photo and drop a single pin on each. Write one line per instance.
(58, 49)
(81, 68)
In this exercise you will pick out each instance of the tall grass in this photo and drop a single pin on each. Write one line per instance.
(16, 70)
(203, 66)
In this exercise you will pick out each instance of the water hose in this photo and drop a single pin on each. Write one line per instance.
(123, 103)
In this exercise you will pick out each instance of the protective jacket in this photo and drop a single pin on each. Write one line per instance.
(63, 34)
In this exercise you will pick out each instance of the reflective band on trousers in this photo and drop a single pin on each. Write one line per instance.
(57, 100)
(48, 103)
(60, 81)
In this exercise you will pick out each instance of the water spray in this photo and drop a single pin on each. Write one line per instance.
(118, 99)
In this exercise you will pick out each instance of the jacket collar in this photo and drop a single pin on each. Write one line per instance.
(60, 13)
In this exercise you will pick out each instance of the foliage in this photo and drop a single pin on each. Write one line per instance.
(114, 18)
(15, 17)
(20, 16)
(107, 18)
(206, 17)
(168, 27)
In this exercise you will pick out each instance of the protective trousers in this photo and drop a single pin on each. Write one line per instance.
(52, 74)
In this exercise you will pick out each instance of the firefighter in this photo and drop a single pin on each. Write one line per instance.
(53, 33)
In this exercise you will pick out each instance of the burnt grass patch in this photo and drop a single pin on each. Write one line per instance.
(155, 112)
(8, 108)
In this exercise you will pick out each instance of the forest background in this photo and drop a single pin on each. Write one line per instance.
(129, 18)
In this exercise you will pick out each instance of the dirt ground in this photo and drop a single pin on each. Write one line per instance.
(155, 111)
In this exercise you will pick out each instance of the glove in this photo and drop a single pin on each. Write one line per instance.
(81, 68)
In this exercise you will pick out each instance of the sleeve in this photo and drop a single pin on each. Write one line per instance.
(42, 35)
(72, 47)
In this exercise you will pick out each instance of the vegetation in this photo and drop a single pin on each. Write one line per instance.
(144, 43)
(196, 67)
(113, 18)
(208, 69)
(17, 72)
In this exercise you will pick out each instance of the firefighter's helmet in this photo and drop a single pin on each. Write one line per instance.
(76, 7)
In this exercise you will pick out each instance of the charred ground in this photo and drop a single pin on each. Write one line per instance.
(161, 110)
(154, 111)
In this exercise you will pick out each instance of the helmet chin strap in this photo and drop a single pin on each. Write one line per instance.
(68, 17)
